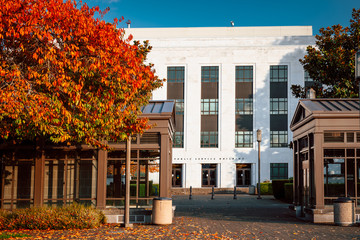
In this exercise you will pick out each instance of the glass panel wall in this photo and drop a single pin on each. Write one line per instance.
(144, 177)
(17, 186)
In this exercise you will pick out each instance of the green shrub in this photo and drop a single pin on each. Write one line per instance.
(266, 188)
(74, 216)
(278, 188)
(288, 188)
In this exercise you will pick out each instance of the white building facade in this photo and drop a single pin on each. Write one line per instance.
(228, 82)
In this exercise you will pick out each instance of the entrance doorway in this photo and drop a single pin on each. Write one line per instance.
(177, 175)
(208, 175)
(243, 174)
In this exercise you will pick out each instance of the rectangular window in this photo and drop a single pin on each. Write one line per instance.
(244, 73)
(209, 139)
(278, 171)
(244, 106)
(278, 106)
(209, 106)
(278, 139)
(178, 140)
(244, 139)
(210, 74)
(179, 106)
(175, 74)
(279, 73)
(334, 137)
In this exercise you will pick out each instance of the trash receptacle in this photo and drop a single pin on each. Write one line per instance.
(252, 190)
(344, 212)
(162, 211)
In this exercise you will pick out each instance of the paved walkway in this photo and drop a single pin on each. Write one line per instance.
(221, 218)
(250, 218)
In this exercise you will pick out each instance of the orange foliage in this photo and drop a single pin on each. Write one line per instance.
(68, 76)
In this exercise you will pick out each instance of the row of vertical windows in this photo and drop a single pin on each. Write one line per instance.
(278, 106)
(243, 106)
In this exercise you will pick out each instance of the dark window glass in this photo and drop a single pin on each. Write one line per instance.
(209, 139)
(179, 106)
(350, 137)
(178, 140)
(334, 177)
(333, 137)
(244, 139)
(278, 106)
(175, 74)
(334, 152)
(210, 74)
(244, 106)
(278, 171)
(279, 73)
(244, 73)
(278, 139)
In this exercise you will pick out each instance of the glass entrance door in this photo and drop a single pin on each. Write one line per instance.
(209, 175)
(177, 175)
(243, 174)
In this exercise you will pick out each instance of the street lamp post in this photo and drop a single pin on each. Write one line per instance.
(258, 138)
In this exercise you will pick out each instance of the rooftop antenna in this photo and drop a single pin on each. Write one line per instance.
(128, 23)
(232, 23)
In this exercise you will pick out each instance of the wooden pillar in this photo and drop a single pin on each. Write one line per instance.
(319, 170)
(39, 174)
(165, 165)
(296, 173)
(127, 183)
(101, 180)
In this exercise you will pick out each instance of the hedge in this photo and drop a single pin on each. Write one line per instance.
(288, 188)
(278, 187)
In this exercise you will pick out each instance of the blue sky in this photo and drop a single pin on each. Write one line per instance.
(205, 13)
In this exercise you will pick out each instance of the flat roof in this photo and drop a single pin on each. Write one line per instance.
(218, 32)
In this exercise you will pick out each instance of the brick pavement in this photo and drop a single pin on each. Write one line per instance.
(250, 218)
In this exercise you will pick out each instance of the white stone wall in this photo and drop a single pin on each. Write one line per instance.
(260, 49)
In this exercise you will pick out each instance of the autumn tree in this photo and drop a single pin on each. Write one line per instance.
(331, 62)
(68, 76)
